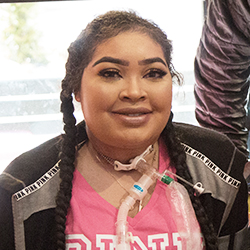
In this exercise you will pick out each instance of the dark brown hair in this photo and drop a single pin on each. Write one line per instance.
(80, 54)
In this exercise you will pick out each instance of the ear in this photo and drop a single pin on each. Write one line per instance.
(77, 96)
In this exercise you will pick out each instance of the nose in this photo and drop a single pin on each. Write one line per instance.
(133, 91)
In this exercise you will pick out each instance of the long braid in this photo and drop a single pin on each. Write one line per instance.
(178, 159)
(67, 157)
(80, 55)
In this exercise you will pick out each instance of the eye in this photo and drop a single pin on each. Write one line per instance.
(110, 73)
(155, 74)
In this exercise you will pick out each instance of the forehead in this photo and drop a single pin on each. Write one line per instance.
(129, 44)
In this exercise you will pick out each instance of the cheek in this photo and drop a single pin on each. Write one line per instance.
(163, 99)
(168, 93)
(165, 106)
(93, 101)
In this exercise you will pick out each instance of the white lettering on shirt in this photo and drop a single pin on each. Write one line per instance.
(105, 241)
(108, 242)
(158, 241)
(77, 242)
(177, 241)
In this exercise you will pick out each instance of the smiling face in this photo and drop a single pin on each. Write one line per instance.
(126, 95)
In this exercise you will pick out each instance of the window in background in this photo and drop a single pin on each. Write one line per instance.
(33, 44)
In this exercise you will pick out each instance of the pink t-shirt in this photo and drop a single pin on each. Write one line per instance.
(91, 219)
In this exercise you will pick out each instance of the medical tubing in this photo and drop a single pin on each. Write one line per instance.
(137, 192)
(185, 218)
(143, 167)
(123, 241)
(182, 209)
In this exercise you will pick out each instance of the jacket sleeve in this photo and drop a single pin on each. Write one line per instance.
(235, 232)
(214, 161)
(22, 172)
(222, 68)
(7, 184)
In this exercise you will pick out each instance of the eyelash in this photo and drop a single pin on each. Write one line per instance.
(110, 73)
(157, 74)
(113, 73)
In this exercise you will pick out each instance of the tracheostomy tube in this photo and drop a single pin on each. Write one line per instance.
(137, 192)
(187, 225)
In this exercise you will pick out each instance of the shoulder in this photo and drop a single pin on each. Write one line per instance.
(214, 145)
(31, 165)
(214, 161)
(199, 135)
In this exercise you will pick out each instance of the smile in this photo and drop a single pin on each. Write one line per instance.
(132, 111)
(132, 117)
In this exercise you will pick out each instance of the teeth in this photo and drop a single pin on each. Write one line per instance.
(132, 115)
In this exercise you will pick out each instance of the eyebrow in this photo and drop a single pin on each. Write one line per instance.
(126, 63)
(111, 60)
(151, 60)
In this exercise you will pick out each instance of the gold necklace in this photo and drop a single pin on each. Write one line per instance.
(111, 162)
(113, 176)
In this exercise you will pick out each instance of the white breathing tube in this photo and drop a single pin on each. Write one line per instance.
(138, 192)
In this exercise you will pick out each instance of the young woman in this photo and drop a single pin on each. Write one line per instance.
(66, 193)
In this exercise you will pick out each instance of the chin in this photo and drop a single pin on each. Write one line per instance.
(136, 142)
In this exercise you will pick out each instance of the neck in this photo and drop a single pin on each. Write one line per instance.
(150, 155)
(123, 154)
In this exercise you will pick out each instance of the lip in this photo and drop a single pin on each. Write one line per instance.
(133, 116)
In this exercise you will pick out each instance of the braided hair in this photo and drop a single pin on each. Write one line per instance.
(178, 159)
(80, 54)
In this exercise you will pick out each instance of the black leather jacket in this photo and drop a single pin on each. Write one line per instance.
(29, 185)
